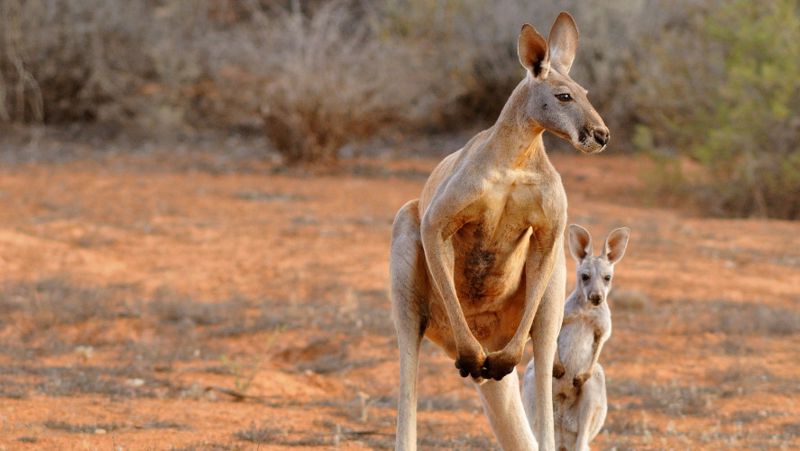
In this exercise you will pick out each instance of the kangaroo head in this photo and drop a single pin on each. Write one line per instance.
(595, 273)
(555, 101)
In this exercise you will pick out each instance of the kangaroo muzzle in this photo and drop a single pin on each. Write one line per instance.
(601, 135)
(594, 139)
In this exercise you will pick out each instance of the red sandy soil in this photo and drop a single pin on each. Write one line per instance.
(144, 307)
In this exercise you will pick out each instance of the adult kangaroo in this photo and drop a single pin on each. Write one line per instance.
(477, 262)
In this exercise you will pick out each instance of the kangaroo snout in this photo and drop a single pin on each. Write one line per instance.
(601, 135)
(594, 138)
(595, 298)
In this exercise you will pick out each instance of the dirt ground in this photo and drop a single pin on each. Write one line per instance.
(150, 306)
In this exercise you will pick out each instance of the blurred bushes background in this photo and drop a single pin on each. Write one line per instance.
(709, 88)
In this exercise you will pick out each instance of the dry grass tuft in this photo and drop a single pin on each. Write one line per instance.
(629, 300)
(673, 399)
(171, 307)
(278, 436)
(81, 428)
(58, 300)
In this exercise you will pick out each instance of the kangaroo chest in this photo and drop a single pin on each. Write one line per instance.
(575, 345)
(490, 250)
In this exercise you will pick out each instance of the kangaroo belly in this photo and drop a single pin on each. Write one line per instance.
(575, 344)
(490, 285)
(487, 270)
(493, 328)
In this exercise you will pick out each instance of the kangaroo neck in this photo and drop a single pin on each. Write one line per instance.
(576, 296)
(516, 139)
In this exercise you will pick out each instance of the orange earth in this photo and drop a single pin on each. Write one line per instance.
(152, 305)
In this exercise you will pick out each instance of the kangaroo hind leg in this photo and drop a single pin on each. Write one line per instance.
(503, 406)
(408, 291)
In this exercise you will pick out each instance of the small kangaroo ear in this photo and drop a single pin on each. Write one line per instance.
(616, 243)
(563, 42)
(580, 242)
(532, 52)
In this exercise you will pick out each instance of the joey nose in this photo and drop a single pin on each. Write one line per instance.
(601, 135)
(595, 298)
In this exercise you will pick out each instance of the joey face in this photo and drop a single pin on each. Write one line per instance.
(596, 272)
(555, 101)
(594, 279)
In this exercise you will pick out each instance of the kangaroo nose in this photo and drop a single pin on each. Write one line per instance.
(595, 298)
(602, 135)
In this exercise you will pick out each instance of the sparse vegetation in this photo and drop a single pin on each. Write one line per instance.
(168, 306)
(278, 436)
(734, 318)
(81, 428)
(755, 319)
(335, 81)
(261, 435)
(57, 300)
(448, 403)
(165, 344)
(672, 399)
(95, 428)
(629, 300)
(319, 76)
(206, 446)
(243, 375)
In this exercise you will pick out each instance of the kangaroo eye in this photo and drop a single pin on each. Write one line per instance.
(564, 97)
(607, 278)
(585, 277)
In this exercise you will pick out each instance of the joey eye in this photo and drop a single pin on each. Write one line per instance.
(607, 278)
(585, 277)
(566, 97)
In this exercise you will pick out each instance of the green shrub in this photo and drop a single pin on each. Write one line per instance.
(731, 104)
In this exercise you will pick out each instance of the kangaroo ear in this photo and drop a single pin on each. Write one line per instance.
(616, 243)
(580, 242)
(563, 42)
(532, 51)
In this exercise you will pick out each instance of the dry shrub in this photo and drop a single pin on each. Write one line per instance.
(65, 61)
(319, 75)
(345, 70)
(470, 50)
(316, 75)
(172, 66)
(335, 81)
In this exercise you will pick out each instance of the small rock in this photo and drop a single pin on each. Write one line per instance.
(135, 382)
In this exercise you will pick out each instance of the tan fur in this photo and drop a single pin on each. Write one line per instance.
(477, 261)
